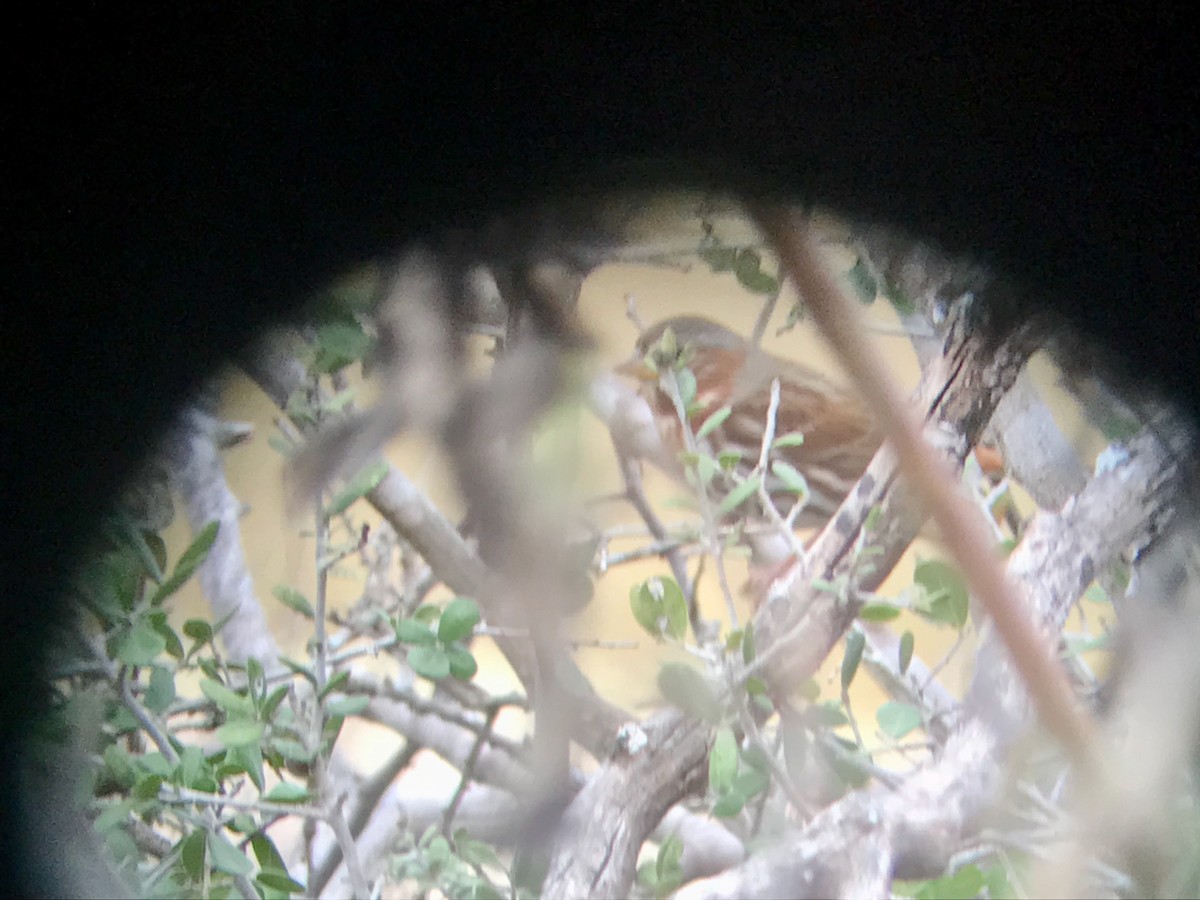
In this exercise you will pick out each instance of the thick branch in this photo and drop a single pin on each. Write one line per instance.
(605, 826)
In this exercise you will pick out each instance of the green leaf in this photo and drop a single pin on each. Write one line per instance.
(728, 805)
(228, 700)
(338, 345)
(248, 757)
(278, 880)
(1096, 594)
(462, 663)
(152, 550)
(670, 853)
(281, 445)
(193, 767)
(668, 869)
(339, 401)
(303, 671)
(966, 882)
(896, 296)
(790, 476)
(198, 630)
(750, 275)
(141, 646)
(713, 422)
(147, 787)
(429, 662)
(647, 876)
(240, 733)
(119, 766)
(333, 682)
(285, 792)
(459, 619)
(191, 559)
(161, 690)
(791, 439)
(689, 690)
(944, 595)
(410, 631)
(427, 613)
(358, 486)
(827, 715)
(686, 381)
(113, 815)
(739, 495)
(346, 706)
(720, 259)
(855, 642)
(755, 686)
(674, 608)
(265, 852)
(292, 750)
(191, 853)
(156, 764)
(898, 719)
(646, 609)
(723, 761)
(751, 782)
(167, 633)
(879, 612)
(748, 648)
(863, 281)
(228, 858)
(907, 644)
(294, 600)
(728, 459)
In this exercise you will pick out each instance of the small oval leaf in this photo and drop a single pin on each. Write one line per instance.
(713, 422)
(228, 858)
(855, 642)
(739, 495)
(240, 733)
(790, 477)
(459, 618)
(462, 663)
(722, 761)
(907, 643)
(879, 612)
(360, 485)
(429, 662)
(294, 600)
(285, 792)
(410, 631)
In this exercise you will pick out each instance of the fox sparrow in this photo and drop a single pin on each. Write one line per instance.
(839, 435)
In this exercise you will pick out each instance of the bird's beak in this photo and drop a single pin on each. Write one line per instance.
(637, 369)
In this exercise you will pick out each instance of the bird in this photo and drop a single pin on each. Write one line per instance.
(839, 435)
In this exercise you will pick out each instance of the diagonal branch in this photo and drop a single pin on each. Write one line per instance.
(916, 829)
(415, 518)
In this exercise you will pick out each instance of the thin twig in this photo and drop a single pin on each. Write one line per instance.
(182, 795)
(336, 819)
(468, 770)
(782, 526)
(631, 473)
(146, 720)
